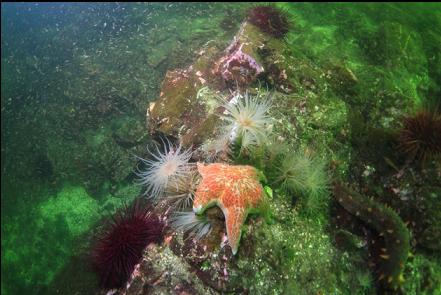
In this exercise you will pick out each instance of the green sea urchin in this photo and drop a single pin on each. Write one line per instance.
(420, 137)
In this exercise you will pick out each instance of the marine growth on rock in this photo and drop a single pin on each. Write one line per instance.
(238, 68)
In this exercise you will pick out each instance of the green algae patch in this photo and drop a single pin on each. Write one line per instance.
(37, 245)
(78, 209)
(423, 275)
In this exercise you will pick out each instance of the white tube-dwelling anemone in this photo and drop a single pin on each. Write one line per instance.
(197, 226)
(181, 192)
(247, 119)
(214, 149)
(165, 169)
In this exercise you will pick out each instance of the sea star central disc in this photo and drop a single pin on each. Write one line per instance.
(235, 189)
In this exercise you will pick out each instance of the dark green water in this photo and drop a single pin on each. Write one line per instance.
(76, 80)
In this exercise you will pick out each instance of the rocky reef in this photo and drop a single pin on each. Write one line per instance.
(184, 110)
(189, 110)
(333, 87)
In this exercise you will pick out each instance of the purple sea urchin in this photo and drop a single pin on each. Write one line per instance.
(119, 247)
(270, 20)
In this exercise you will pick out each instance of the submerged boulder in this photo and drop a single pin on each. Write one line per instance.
(188, 105)
(280, 257)
(162, 272)
(178, 111)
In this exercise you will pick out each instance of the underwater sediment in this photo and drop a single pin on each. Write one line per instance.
(240, 116)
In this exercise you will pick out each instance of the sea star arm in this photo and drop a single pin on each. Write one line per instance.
(234, 219)
(202, 200)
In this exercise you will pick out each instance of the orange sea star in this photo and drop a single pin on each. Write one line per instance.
(235, 189)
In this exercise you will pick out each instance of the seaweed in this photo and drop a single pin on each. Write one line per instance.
(392, 257)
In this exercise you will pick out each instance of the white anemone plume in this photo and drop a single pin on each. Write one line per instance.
(165, 169)
(247, 119)
(197, 226)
